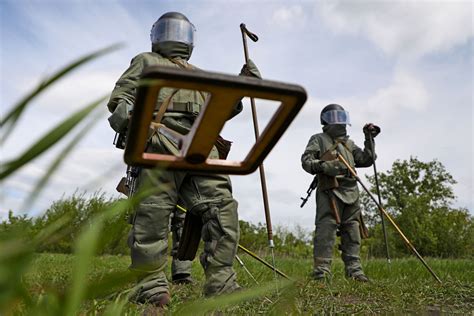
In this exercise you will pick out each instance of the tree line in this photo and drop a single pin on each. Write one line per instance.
(418, 195)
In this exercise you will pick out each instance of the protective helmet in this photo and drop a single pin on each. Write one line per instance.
(173, 27)
(334, 114)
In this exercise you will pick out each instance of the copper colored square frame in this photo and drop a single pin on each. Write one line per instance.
(226, 91)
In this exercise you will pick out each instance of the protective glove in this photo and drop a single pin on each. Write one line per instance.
(250, 70)
(371, 129)
(119, 119)
(333, 168)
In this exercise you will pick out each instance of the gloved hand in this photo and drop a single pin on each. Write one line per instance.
(371, 129)
(250, 70)
(333, 168)
(119, 119)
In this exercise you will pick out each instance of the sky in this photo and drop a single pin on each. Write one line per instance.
(406, 66)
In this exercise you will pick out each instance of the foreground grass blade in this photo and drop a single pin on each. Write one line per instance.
(58, 161)
(85, 249)
(16, 256)
(201, 307)
(18, 108)
(86, 246)
(47, 141)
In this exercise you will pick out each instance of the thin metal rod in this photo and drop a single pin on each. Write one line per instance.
(261, 169)
(385, 239)
(253, 255)
(251, 275)
(245, 268)
(405, 239)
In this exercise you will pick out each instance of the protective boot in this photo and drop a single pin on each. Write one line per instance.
(160, 300)
(322, 268)
(157, 304)
(220, 233)
(350, 247)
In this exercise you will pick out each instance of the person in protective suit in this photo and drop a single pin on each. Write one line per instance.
(205, 196)
(337, 194)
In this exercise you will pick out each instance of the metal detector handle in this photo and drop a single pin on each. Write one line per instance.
(251, 35)
(245, 32)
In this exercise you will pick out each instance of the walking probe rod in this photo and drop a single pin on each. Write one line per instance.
(245, 32)
(405, 239)
(385, 239)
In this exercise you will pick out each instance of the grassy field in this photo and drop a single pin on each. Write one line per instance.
(403, 287)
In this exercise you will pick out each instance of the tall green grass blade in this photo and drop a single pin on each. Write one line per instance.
(85, 249)
(58, 161)
(18, 108)
(16, 256)
(86, 246)
(115, 308)
(286, 303)
(201, 307)
(12, 268)
(47, 141)
(110, 284)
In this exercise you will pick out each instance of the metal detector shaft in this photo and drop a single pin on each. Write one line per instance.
(261, 169)
(405, 239)
(384, 230)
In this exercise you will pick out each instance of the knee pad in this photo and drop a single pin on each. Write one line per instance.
(220, 232)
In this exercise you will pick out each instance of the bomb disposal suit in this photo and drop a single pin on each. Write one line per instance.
(337, 192)
(206, 196)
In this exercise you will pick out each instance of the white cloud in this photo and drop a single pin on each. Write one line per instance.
(402, 28)
(288, 16)
(405, 94)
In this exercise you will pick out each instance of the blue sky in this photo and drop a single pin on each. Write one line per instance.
(405, 65)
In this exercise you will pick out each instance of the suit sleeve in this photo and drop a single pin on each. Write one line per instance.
(310, 158)
(126, 85)
(363, 158)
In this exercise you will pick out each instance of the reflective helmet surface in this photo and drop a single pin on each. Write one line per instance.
(173, 27)
(334, 114)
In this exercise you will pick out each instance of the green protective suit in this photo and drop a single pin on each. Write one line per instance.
(207, 196)
(347, 201)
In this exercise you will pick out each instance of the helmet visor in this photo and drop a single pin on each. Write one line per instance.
(336, 117)
(172, 30)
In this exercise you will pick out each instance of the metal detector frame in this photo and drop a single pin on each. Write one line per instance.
(194, 147)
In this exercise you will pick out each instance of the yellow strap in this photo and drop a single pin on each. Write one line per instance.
(185, 65)
(164, 106)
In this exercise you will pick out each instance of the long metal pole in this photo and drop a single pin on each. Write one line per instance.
(261, 169)
(385, 239)
(405, 239)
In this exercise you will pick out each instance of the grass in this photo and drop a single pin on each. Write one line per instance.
(403, 287)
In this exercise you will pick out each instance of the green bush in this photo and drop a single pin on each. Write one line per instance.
(82, 210)
(288, 243)
(419, 197)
